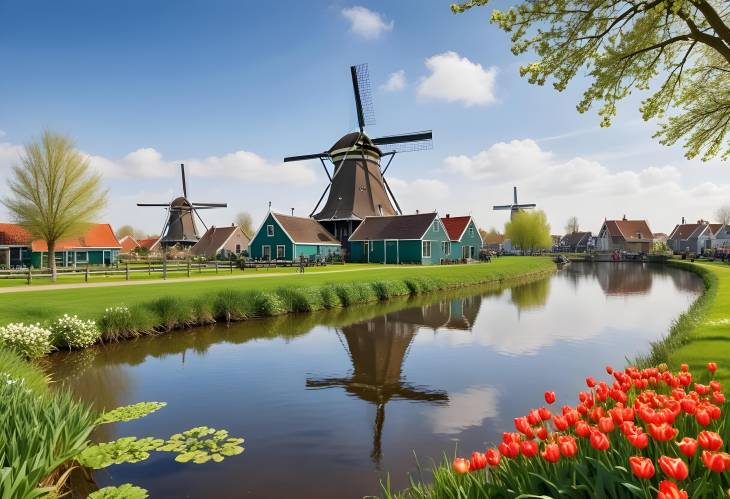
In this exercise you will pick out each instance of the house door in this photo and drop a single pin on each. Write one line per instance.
(464, 252)
(107, 256)
(391, 252)
(266, 252)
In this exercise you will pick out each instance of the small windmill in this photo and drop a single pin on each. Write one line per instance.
(180, 226)
(515, 207)
(357, 186)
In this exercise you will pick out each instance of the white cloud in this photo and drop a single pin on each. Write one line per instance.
(243, 165)
(456, 79)
(366, 23)
(395, 82)
(465, 409)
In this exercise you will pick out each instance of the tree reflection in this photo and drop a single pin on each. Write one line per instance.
(530, 296)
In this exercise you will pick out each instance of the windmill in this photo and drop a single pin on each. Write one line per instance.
(357, 186)
(515, 206)
(180, 226)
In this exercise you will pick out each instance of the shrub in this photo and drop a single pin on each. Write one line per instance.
(71, 332)
(119, 323)
(15, 368)
(172, 312)
(265, 304)
(29, 340)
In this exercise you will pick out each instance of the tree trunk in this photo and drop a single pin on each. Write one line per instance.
(52, 259)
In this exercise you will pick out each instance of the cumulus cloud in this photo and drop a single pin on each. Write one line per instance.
(456, 79)
(366, 23)
(244, 165)
(395, 82)
(465, 410)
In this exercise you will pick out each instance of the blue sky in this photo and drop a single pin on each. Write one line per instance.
(232, 87)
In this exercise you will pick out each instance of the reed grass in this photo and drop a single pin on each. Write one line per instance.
(14, 367)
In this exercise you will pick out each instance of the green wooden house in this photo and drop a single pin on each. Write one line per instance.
(465, 238)
(283, 237)
(416, 239)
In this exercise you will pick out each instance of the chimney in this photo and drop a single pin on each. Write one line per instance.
(624, 219)
(292, 212)
(682, 220)
(448, 215)
(417, 212)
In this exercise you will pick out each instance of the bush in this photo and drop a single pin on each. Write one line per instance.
(172, 312)
(29, 340)
(119, 323)
(71, 332)
(15, 368)
(265, 304)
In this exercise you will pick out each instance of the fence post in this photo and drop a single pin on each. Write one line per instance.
(216, 266)
(200, 266)
(188, 266)
(164, 265)
(149, 267)
(127, 270)
(30, 275)
(230, 264)
(86, 274)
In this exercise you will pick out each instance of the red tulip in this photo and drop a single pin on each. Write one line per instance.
(545, 413)
(493, 457)
(461, 465)
(643, 467)
(510, 450)
(715, 385)
(702, 416)
(712, 367)
(718, 397)
(551, 453)
(688, 405)
(568, 446)
(582, 429)
(605, 425)
(542, 433)
(599, 441)
(709, 440)
(662, 432)
(550, 397)
(669, 490)
(590, 381)
(688, 446)
(529, 448)
(609, 370)
(684, 367)
(638, 440)
(573, 417)
(560, 422)
(702, 389)
(523, 426)
(478, 461)
(533, 417)
(713, 461)
(674, 467)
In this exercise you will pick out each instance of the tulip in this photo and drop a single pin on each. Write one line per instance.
(638, 440)
(688, 405)
(582, 429)
(599, 441)
(478, 461)
(590, 381)
(573, 417)
(560, 422)
(714, 461)
(605, 425)
(643, 467)
(550, 397)
(510, 450)
(702, 417)
(542, 433)
(545, 413)
(551, 453)
(609, 370)
(568, 446)
(533, 417)
(712, 367)
(523, 426)
(461, 465)
(709, 440)
(688, 446)
(715, 385)
(684, 367)
(718, 397)
(669, 490)
(493, 457)
(529, 448)
(662, 432)
(702, 389)
(674, 467)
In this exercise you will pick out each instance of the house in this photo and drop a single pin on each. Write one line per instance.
(721, 240)
(221, 241)
(284, 237)
(465, 238)
(693, 237)
(577, 242)
(129, 244)
(633, 236)
(421, 238)
(150, 244)
(497, 242)
(14, 246)
(97, 246)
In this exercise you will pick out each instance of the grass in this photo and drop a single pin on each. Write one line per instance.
(15, 367)
(91, 302)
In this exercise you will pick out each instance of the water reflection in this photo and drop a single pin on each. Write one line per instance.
(530, 296)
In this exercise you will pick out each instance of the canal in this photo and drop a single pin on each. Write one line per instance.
(329, 403)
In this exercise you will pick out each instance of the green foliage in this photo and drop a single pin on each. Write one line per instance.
(120, 323)
(679, 51)
(125, 491)
(329, 296)
(130, 412)
(53, 192)
(345, 293)
(295, 300)
(263, 304)
(203, 444)
(68, 331)
(231, 305)
(15, 369)
(388, 289)
(202, 311)
(529, 230)
(172, 312)
(363, 292)
(123, 450)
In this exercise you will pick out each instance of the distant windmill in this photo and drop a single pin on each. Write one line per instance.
(357, 186)
(180, 226)
(515, 206)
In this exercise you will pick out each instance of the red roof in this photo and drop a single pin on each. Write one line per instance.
(148, 243)
(14, 235)
(97, 236)
(629, 230)
(455, 226)
(128, 244)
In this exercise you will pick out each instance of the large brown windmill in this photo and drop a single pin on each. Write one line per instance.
(357, 186)
(179, 228)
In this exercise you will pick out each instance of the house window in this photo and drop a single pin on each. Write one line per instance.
(426, 249)
(435, 226)
(266, 252)
(82, 257)
(366, 247)
(280, 252)
(446, 248)
(238, 248)
(471, 231)
(270, 230)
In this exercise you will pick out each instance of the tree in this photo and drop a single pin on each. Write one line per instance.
(490, 234)
(529, 230)
(723, 214)
(571, 226)
(245, 222)
(677, 49)
(53, 194)
(125, 230)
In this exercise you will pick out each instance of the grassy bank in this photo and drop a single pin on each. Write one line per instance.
(91, 302)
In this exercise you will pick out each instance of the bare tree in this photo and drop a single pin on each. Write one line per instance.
(245, 222)
(723, 214)
(571, 226)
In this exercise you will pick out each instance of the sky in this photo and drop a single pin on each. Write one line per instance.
(230, 88)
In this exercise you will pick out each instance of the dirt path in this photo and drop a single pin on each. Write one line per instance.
(61, 287)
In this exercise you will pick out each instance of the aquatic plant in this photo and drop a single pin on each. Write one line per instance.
(29, 340)
(262, 304)
(202, 311)
(68, 331)
(645, 433)
(294, 300)
(125, 491)
(130, 412)
(120, 451)
(203, 444)
(329, 296)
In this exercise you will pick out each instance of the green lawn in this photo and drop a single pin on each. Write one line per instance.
(709, 339)
(90, 302)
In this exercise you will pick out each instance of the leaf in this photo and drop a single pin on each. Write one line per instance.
(125, 491)
(130, 412)
(123, 450)
(202, 444)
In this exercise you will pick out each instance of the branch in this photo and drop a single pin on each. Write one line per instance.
(717, 23)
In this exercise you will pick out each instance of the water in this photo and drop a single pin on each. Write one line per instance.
(331, 402)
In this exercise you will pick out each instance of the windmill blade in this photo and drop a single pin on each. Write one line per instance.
(185, 184)
(503, 207)
(321, 198)
(363, 95)
(392, 196)
(304, 157)
(165, 205)
(195, 210)
(407, 142)
(210, 205)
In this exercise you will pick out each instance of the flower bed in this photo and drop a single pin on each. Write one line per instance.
(29, 340)
(643, 433)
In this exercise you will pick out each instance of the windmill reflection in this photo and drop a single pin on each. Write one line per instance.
(377, 349)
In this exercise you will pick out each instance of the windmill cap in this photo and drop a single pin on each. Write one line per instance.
(352, 139)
